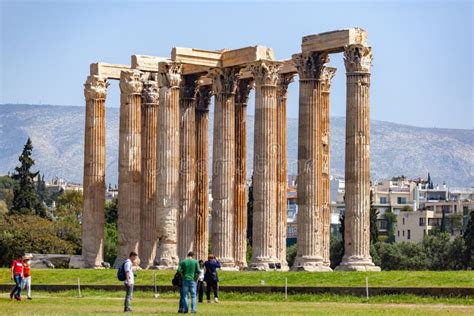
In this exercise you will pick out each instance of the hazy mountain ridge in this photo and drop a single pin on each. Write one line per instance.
(57, 133)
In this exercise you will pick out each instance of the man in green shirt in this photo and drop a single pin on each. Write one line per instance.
(189, 269)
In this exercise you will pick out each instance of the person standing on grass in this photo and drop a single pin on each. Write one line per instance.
(211, 278)
(17, 276)
(200, 281)
(27, 276)
(129, 280)
(189, 269)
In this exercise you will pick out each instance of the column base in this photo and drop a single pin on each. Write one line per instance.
(241, 265)
(228, 264)
(166, 263)
(310, 264)
(357, 264)
(265, 264)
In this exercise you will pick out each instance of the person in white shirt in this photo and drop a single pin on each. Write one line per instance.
(200, 281)
(129, 280)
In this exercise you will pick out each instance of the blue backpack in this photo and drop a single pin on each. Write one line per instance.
(121, 272)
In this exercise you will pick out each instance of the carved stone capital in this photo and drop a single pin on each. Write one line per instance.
(284, 81)
(326, 77)
(189, 87)
(310, 65)
(95, 87)
(169, 74)
(265, 72)
(150, 93)
(224, 80)
(358, 58)
(203, 98)
(243, 90)
(131, 82)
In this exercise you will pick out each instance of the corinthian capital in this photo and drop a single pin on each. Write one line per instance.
(203, 97)
(189, 87)
(150, 92)
(243, 89)
(358, 58)
(95, 87)
(169, 74)
(224, 80)
(310, 65)
(326, 77)
(284, 81)
(131, 82)
(265, 72)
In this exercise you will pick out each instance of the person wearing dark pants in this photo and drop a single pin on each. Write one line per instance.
(200, 281)
(17, 276)
(211, 278)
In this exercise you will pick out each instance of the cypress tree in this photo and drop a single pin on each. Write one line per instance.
(374, 213)
(25, 196)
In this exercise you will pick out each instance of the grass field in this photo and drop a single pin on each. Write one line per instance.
(105, 303)
(354, 279)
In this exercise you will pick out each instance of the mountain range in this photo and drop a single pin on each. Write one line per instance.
(57, 133)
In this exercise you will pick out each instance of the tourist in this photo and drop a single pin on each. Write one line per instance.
(189, 269)
(27, 276)
(200, 281)
(17, 276)
(129, 280)
(211, 278)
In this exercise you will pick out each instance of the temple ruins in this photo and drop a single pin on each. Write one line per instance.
(165, 103)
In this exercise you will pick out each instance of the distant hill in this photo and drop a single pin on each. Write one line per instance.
(57, 133)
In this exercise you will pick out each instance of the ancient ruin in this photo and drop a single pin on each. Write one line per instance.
(163, 205)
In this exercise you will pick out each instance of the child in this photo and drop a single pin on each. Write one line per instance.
(200, 281)
(17, 276)
(27, 276)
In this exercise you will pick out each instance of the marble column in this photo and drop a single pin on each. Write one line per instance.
(128, 222)
(282, 178)
(95, 91)
(187, 174)
(327, 75)
(240, 194)
(203, 100)
(357, 59)
(169, 79)
(265, 162)
(309, 255)
(148, 242)
(223, 161)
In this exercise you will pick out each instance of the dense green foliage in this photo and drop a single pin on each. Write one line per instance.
(25, 197)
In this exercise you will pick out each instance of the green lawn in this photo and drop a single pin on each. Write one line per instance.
(354, 279)
(104, 303)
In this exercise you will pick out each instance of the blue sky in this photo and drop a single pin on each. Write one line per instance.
(423, 50)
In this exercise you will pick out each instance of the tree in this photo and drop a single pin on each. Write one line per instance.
(111, 209)
(468, 237)
(25, 197)
(390, 219)
(374, 214)
(250, 214)
(444, 222)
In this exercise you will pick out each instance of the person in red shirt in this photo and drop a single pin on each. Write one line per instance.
(17, 276)
(27, 276)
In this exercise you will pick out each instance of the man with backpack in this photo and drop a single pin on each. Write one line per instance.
(125, 273)
(189, 270)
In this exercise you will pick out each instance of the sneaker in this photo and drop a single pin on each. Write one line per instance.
(11, 296)
(216, 300)
(18, 298)
(30, 298)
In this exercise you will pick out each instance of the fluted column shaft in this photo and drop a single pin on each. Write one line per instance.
(309, 255)
(169, 78)
(282, 182)
(148, 232)
(357, 59)
(265, 163)
(95, 91)
(128, 222)
(223, 173)
(187, 174)
(203, 99)
(240, 196)
(328, 74)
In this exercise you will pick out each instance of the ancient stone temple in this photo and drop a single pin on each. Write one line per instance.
(164, 175)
